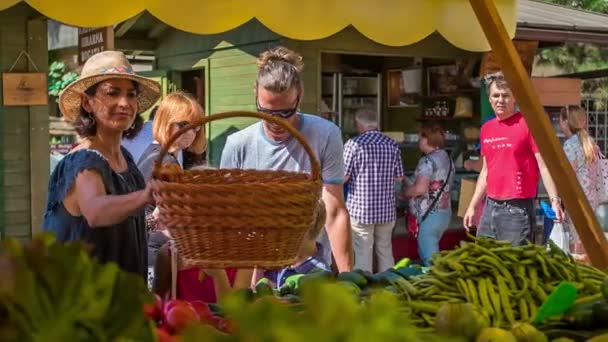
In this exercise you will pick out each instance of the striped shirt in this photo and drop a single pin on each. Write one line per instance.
(372, 162)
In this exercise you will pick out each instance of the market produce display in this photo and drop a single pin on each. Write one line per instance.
(56, 292)
(483, 291)
(484, 288)
(326, 313)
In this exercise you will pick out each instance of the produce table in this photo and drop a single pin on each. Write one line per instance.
(482, 291)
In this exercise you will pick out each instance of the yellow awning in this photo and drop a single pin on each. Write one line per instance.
(388, 22)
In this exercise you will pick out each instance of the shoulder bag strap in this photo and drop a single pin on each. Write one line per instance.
(436, 199)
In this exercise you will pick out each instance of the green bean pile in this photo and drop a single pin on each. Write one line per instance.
(507, 283)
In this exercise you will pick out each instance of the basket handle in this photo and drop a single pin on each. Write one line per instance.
(316, 168)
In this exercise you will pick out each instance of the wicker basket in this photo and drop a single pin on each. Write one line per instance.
(222, 218)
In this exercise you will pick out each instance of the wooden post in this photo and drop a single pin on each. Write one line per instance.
(39, 138)
(561, 171)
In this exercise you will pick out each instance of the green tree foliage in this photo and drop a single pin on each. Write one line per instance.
(589, 5)
(59, 78)
(577, 57)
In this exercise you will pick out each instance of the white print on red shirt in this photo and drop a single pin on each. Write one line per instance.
(494, 146)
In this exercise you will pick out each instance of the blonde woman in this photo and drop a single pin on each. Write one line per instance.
(175, 112)
(583, 154)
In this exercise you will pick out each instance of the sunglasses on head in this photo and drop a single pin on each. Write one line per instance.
(183, 124)
(283, 113)
(489, 78)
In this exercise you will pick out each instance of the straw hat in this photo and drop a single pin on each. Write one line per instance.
(100, 67)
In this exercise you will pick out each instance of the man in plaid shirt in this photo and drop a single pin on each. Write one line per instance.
(372, 164)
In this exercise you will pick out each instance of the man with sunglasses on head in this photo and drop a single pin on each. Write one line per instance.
(268, 146)
(511, 165)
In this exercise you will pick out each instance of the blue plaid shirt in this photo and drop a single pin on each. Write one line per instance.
(372, 162)
(312, 264)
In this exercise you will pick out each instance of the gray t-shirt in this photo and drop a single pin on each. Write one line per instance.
(250, 148)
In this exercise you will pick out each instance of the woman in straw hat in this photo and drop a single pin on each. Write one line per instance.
(96, 193)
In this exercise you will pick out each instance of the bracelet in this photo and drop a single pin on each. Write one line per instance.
(556, 199)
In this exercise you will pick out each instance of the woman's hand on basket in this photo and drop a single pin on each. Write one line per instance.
(148, 193)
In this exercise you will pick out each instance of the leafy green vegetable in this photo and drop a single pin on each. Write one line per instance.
(327, 313)
(51, 291)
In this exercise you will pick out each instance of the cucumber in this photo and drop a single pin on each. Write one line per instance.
(405, 262)
(600, 313)
(286, 290)
(293, 282)
(368, 275)
(581, 317)
(385, 278)
(316, 277)
(247, 294)
(353, 277)
(263, 288)
(408, 272)
(350, 286)
(392, 289)
(290, 298)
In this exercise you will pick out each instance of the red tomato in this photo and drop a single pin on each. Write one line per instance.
(180, 316)
(203, 311)
(163, 335)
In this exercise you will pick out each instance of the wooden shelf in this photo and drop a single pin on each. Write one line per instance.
(451, 95)
(411, 144)
(354, 107)
(366, 76)
(442, 118)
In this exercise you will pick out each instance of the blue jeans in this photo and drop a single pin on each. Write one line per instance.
(508, 220)
(430, 232)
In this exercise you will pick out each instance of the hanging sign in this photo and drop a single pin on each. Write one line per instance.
(24, 88)
(525, 49)
(94, 40)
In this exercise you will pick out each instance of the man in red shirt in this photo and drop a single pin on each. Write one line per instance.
(511, 165)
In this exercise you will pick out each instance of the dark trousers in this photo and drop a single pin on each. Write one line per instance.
(509, 220)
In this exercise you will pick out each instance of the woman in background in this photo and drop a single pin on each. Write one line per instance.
(583, 154)
(429, 192)
(175, 112)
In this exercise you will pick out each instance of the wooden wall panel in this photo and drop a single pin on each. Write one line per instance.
(24, 139)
